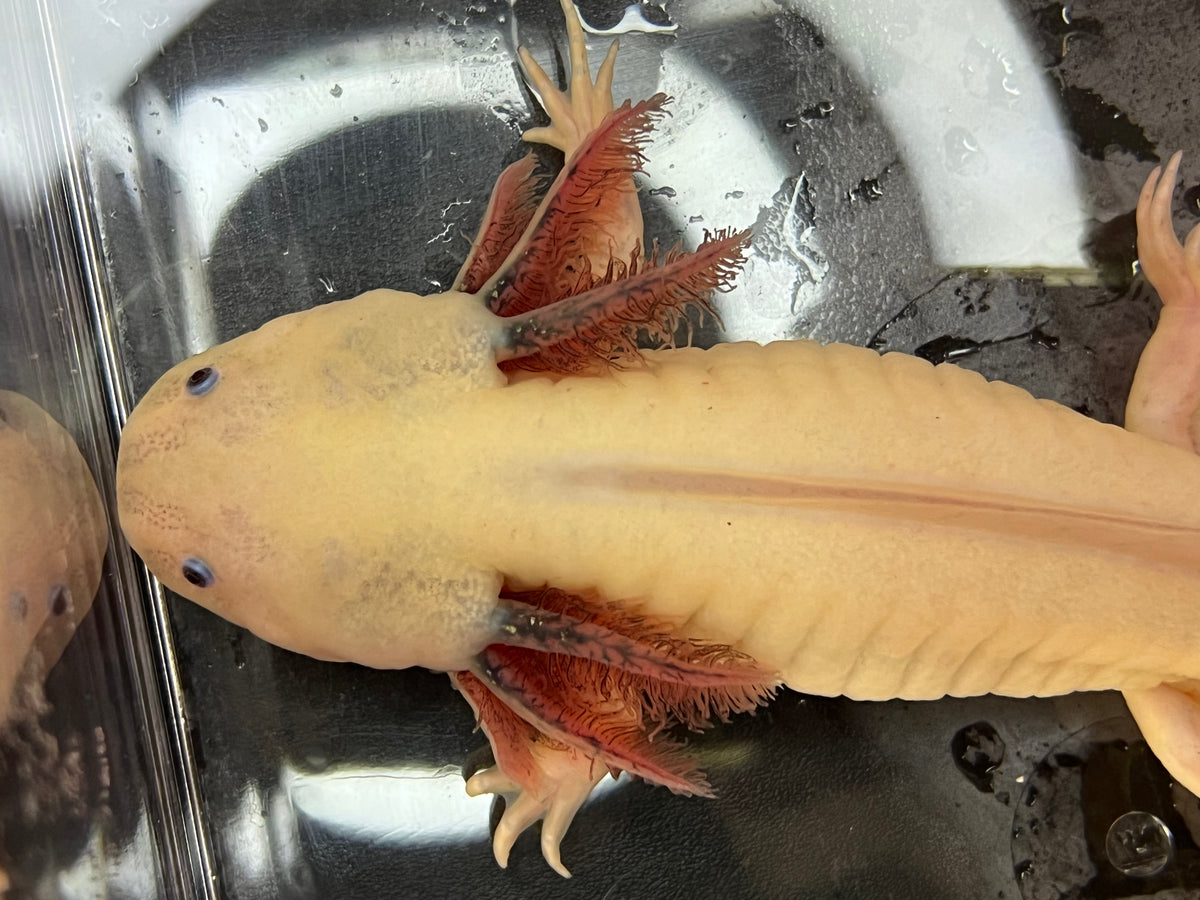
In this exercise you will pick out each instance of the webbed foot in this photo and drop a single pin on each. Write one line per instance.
(565, 777)
(1164, 402)
(578, 111)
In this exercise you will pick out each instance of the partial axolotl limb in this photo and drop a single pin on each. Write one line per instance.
(601, 146)
(1164, 403)
(578, 111)
(577, 689)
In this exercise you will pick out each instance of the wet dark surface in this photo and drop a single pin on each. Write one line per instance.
(978, 750)
(1100, 818)
(331, 781)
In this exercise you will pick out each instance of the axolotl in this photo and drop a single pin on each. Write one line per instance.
(600, 542)
(53, 537)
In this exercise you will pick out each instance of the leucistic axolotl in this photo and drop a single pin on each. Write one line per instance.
(53, 535)
(599, 543)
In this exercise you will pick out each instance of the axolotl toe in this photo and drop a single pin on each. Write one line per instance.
(600, 542)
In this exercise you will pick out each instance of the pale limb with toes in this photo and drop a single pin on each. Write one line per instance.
(576, 112)
(566, 778)
(1164, 402)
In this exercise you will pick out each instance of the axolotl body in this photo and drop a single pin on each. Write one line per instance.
(598, 542)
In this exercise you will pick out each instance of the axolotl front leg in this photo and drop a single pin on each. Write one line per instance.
(1164, 403)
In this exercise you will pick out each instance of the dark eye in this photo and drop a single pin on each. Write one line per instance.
(60, 600)
(202, 381)
(197, 573)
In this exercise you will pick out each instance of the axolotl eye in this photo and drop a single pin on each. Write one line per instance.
(197, 572)
(202, 381)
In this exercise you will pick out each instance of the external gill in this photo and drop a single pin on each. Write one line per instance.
(600, 327)
(582, 222)
(576, 688)
(573, 686)
(541, 267)
(616, 638)
(606, 681)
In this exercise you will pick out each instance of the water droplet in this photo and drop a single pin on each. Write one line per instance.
(947, 347)
(316, 758)
(239, 652)
(869, 190)
(978, 749)
(822, 110)
(789, 123)
(1139, 844)
(335, 91)
(663, 191)
(962, 150)
(735, 195)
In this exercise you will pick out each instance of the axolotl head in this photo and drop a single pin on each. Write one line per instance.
(276, 480)
(53, 536)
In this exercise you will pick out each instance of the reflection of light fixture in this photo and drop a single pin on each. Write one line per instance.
(979, 129)
(226, 135)
(631, 20)
(973, 114)
(957, 85)
(128, 869)
(407, 804)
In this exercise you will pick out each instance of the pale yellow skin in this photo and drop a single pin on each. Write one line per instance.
(865, 525)
(362, 479)
(52, 534)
